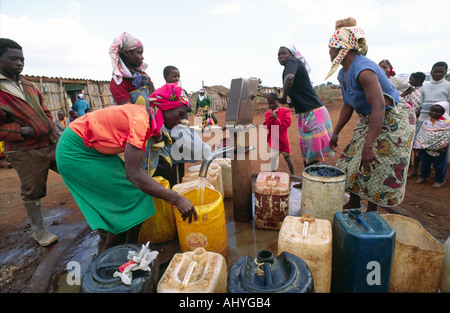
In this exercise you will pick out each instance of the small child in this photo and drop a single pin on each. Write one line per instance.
(432, 140)
(73, 115)
(185, 139)
(172, 75)
(279, 116)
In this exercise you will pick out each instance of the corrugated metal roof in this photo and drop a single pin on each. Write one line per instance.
(64, 79)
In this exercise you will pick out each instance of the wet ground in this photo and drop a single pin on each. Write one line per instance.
(243, 239)
(26, 267)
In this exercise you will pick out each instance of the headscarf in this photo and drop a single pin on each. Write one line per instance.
(170, 96)
(391, 68)
(125, 42)
(446, 106)
(298, 55)
(434, 136)
(346, 38)
(200, 96)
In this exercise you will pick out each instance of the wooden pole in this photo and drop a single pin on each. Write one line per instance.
(102, 93)
(90, 97)
(63, 101)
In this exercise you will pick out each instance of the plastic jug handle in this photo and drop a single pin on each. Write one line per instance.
(187, 277)
(361, 220)
(305, 230)
(268, 274)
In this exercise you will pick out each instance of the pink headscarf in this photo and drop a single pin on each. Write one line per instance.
(123, 42)
(170, 96)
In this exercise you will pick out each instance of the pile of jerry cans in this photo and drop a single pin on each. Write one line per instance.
(323, 250)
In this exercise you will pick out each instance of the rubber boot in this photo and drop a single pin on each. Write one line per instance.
(40, 232)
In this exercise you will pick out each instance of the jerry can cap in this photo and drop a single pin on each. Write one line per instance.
(354, 213)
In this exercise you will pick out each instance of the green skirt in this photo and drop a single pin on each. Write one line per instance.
(384, 185)
(98, 184)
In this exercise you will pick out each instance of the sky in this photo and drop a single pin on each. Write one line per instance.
(212, 42)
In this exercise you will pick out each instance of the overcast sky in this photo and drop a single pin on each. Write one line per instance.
(215, 41)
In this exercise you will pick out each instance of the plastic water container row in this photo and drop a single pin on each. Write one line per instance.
(363, 260)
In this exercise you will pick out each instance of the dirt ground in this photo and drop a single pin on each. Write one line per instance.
(26, 267)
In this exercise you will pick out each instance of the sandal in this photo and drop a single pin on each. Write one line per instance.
(437, 185)
(421, 180)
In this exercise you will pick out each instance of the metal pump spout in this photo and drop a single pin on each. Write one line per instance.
(224, 152)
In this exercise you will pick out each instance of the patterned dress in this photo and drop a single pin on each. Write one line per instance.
(203, 106)
(384, 185)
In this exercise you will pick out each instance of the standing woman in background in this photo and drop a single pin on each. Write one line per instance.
(203, 106)
(314, 123)
(377, 157)
(414, 98)
(130, 83)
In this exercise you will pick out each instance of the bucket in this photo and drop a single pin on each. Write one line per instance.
(323, 191)
(311, 240)
(418, 257)
(271, 199)
(362, 252)
(214, 176)
(196, 271)
(445, 279)
(99, 274)
(266, 273)
(160, 227)
(209, 230)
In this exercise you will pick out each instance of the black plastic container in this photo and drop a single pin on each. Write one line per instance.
(99, 275)
(286, 273)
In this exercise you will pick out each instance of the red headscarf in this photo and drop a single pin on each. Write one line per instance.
(391, 68)
(170, 96)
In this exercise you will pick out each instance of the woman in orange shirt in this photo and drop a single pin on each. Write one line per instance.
(116, 195)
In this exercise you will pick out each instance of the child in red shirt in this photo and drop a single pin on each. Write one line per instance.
(281, 117)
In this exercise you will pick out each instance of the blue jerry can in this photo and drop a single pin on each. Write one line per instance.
(99, 277)
(362, 252)
(266, 273)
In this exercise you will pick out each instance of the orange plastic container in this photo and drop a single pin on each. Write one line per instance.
(161, 226)
(195, 271)
(209, 230)
(271, 199)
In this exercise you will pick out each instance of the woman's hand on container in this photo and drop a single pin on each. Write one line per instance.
(186, 208)
(333, 142)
